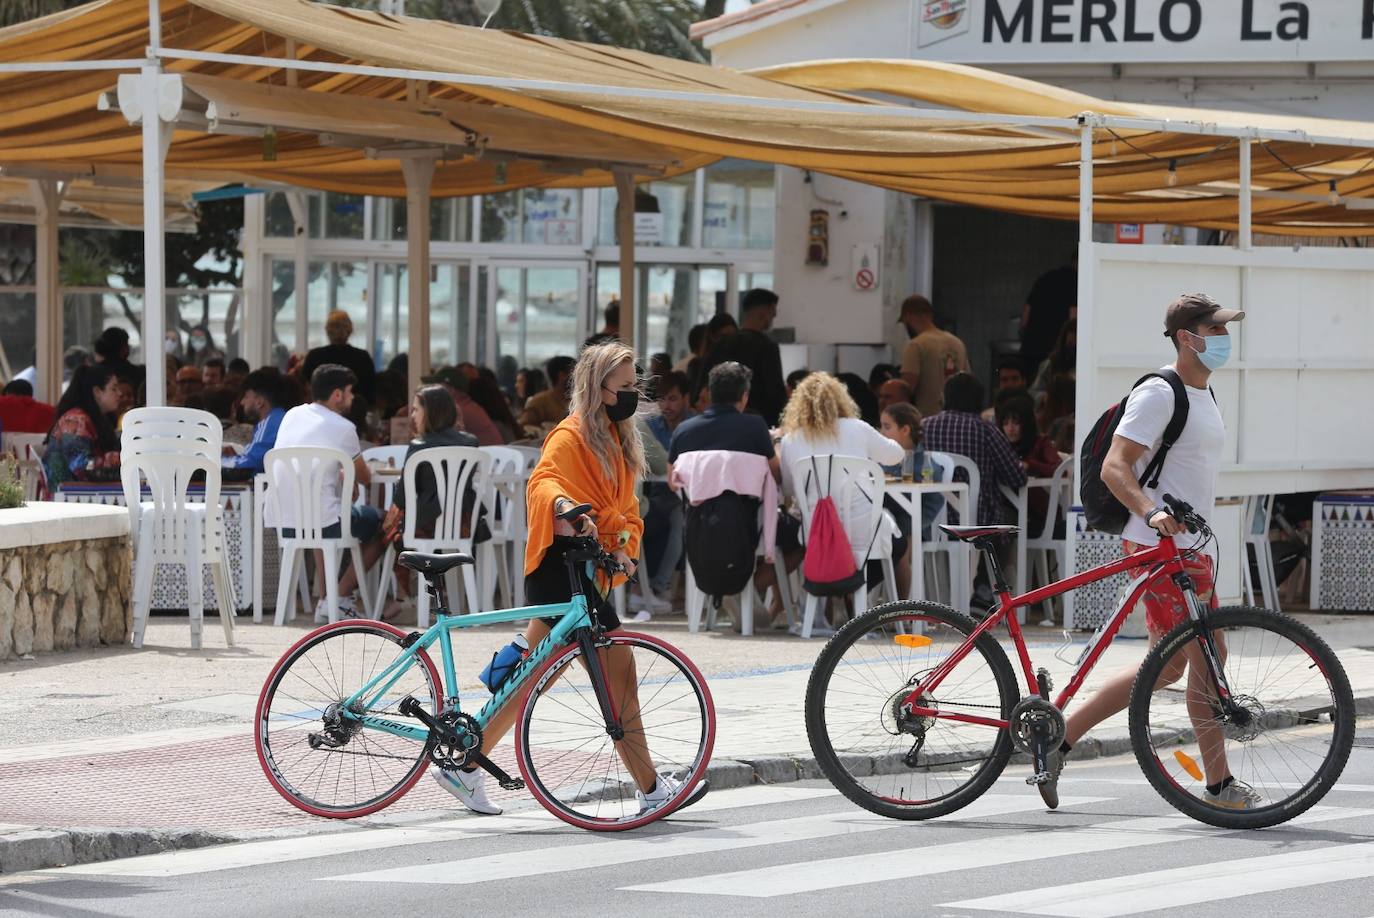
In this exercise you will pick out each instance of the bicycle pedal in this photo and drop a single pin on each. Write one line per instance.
(1039, 778)
(513, 784)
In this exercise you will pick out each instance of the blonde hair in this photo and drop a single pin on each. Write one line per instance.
(596, 363)
(338, 326)
(817, 404)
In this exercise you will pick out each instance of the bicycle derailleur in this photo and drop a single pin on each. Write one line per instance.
(898, 718)
(338, 730)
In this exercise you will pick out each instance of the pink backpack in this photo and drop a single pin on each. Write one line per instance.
(828, 568)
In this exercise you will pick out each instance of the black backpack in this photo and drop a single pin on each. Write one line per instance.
(722, 543)
(1100, 507)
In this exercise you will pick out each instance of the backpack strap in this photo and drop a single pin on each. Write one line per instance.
(1173, 430)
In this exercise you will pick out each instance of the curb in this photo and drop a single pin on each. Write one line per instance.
(27, 848)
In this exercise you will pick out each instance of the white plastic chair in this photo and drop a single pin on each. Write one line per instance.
(960, 554)
(296, 479)
(164, 448)
(455, 469)
(1259, 508)
(857, 486)
(1040, 546)
(499, 561)
(28, 450)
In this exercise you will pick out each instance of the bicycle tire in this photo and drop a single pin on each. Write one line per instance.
(1150, 737)
(544, 758)
(832, 762)
(272, 756)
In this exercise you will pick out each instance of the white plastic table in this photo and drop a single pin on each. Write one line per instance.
(907, 494)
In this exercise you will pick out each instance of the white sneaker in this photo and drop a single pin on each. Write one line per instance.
(642, 616)
(642, 600)
(664, 790)
(470, 789)
(348, 608)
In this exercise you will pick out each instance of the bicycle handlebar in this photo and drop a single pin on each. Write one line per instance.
(1182, 511)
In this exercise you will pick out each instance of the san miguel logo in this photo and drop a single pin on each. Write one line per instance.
(941, 19)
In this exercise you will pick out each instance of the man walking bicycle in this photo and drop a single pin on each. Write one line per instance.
(1197, 326)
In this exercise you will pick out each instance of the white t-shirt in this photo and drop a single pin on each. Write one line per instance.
(315, 425)
(852, 438)
(1190, 469)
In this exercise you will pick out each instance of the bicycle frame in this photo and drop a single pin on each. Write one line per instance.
(1163, 558)
(572, 615)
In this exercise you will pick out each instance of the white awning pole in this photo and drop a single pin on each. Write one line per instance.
(47, 301)
(625, 239)
(1244, 219)
(156, 136)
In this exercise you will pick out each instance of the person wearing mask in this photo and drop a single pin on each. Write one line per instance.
(902, 422)
(547, 408)
(472, 417)
(930, 357)
(338, 328)
(171, 345)
(201, 347)
(260, 406)
(594, 456)
(1197, 326)
(1050, 304)
(212, 373)
(752, 347)
(82, 444)
(323, 422)
(20, 412)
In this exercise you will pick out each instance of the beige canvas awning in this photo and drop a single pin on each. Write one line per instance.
(508, 110)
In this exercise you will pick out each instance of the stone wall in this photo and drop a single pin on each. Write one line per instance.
(65, 595)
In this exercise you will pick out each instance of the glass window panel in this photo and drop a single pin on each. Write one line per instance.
(343, 216)
(536, 313)
(551, 216)
(501, 217)
(277, 219)
(393, 311)
(283, 280)
(674, 198)
(483, 315)
(739, 205)
(388, 219)
(676, 297)
(337, 285)
(450, 220)
(19, 329)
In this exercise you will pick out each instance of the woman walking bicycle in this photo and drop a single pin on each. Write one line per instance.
(594, 456)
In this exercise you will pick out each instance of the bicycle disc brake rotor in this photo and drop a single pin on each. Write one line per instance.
(465, 737)
(1246, 720)
(1035, 717)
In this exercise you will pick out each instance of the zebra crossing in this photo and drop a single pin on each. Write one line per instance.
(764, 844)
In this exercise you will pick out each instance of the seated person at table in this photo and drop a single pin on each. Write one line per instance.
(82, 444)
(545, 409)
(323, 422)
(261, 407)
(1016, 418)
(432, 419)
(822, 420)
(902, 422)
(20, 412)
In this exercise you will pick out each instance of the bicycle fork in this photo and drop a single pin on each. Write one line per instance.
(600, 685)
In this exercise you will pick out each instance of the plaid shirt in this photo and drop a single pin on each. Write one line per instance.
(969, 435)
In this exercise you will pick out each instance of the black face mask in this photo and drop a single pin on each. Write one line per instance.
(626, 403)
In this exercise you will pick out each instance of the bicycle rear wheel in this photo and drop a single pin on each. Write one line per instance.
(1288, 740)
(325, 764)
(577, 771)
(888, 762)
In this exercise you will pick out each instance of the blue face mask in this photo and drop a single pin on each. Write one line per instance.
(1217, 353)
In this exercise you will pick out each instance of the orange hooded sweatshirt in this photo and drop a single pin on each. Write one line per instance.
(568, 468)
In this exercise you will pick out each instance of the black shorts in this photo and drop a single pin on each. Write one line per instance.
(548, 583)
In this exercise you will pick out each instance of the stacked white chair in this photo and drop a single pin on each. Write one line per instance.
(857, 487)
(163, 448)
(500, 561)
(1259, 509)
(296, 477)
(455, 469)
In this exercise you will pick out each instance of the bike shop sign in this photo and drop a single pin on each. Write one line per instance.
(1124, 31)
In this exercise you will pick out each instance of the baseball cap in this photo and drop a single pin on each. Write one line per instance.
(1191, 308)
(448, 376)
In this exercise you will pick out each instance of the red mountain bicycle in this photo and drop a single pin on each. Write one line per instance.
(913, 709)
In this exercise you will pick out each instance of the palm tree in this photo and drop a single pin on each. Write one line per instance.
(12, 11)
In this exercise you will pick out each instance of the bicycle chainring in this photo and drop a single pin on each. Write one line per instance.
(464, 737)
(1035, 717)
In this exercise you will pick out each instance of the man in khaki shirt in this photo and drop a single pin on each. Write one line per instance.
(931, 357)
(545, 409)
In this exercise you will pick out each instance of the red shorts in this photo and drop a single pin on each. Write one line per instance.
(1163, 601)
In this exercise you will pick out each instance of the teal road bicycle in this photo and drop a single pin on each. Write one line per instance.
(353, 714)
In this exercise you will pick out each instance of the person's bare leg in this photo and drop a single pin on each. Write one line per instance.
(902, 568)
(504, 718)
(1210, 738)
(371, 552)
(1113, 697)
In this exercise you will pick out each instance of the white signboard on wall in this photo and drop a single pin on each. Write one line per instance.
(1128, 31)
(864, 266)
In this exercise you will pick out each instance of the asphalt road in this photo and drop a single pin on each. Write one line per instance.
(1113, 848)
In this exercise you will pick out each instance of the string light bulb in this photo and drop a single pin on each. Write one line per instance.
(1334, 196)
(1173, 172)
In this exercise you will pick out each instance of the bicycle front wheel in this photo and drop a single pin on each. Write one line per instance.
(884, 759)
(320, 760)
(577, 771)
(1286, 737)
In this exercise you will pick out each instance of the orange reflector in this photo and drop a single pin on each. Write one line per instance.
(1189, 764)
(912, 640)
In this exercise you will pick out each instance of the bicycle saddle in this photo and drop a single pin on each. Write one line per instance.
(433, 564)
(977, 533)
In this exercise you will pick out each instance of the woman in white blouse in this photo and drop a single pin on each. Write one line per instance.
(822, 420)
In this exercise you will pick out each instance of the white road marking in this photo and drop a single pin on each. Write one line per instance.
(707, 841)
(277, 850)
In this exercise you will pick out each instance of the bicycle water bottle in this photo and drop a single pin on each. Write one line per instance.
(503, 663)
